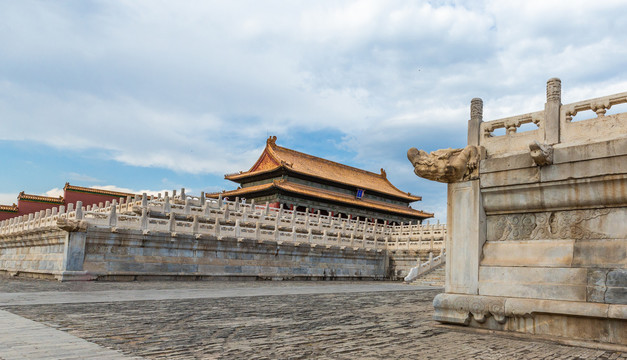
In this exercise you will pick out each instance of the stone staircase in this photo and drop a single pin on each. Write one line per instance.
(435, 277)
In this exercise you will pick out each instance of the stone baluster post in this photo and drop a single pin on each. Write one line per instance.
(113, 216)
(474, 124)
(195, 224)
(216, 227)
(324, 237)
(309, 236)
(172, 223)
(202, 198)
(236, 203)
(238, 230)
(293, 234)
(266, 210)
(430, 259)
(144, 219)
(220, 201)
(552, 111)
(258, 230)
(144, 200)
(183, 196)
(166, 204)
(174, 194)
(79, 210)
(188, 206)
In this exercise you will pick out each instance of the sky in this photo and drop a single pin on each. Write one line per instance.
(152, 95)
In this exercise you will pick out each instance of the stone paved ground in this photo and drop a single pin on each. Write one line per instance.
(325, 323)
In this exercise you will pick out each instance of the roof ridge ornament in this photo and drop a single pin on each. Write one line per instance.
(271, 140)
(383, 173)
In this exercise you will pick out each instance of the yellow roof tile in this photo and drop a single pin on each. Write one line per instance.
(275, 157)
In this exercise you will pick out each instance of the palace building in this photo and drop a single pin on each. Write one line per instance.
(293, 180)
(29, 204)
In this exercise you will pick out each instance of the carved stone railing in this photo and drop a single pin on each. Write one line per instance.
(423, 268)
(512, 140)
(595, 128)
(199, 216)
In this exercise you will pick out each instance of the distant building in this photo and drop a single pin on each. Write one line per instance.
(28, 203)
(294, 180)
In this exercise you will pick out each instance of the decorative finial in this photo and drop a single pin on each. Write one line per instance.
(383, 173)
(476, 109)
(271, 140)
(554, 90)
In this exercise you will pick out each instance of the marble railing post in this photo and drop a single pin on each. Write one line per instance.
(552, 111)
(144, 219)
(166, 204)
(216, 227)
(113, 216)
(187, 209)
(474, 124)
(237, 229)
(195, 224)
(79, 210)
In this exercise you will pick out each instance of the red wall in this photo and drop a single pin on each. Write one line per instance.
(71, 197)
(7, 215)
(26, 207)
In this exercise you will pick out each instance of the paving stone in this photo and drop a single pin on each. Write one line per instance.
(327, 322)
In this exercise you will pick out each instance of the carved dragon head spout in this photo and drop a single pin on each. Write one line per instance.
(447, 165)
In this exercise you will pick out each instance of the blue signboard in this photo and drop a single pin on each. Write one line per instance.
(360, 193)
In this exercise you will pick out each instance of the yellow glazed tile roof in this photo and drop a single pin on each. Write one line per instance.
(325, 195)
(95, 191)
(275, 157)
(9, 208)
(40, 198)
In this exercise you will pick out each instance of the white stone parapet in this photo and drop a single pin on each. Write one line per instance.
(200, 216)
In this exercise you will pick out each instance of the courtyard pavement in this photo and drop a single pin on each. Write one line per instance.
(245, 320)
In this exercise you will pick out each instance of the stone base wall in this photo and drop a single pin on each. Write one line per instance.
(132, 255)
(570, 319)
(36, 254)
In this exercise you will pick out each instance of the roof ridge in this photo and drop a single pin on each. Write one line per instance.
(33, 197)
(12, 208)
(331, 161)
(95, 190)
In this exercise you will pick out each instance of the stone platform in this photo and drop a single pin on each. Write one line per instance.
(245, 320)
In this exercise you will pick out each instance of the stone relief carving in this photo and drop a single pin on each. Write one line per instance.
(541, 154)
(70, 225)
(446, 165)
(458, 308)
(546, 225)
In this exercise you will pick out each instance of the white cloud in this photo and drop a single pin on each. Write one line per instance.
(8, 198)
(54, 192)
(196, 86)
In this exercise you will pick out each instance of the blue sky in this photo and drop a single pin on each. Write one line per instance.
(156, 95)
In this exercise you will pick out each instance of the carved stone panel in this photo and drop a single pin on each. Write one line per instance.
(574, 224)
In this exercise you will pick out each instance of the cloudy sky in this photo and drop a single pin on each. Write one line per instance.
(154, 95)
